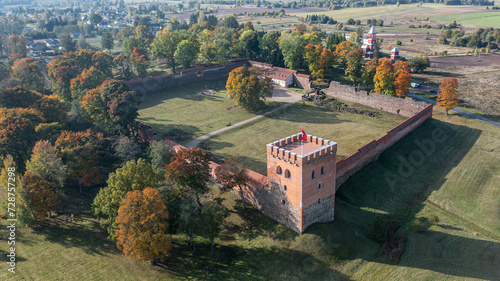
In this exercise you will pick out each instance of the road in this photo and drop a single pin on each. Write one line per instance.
(457, 110)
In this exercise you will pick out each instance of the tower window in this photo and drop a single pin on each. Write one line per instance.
(287, 174)
(283, 202)
(313, 175)
(322, 170)
(319, 200)
(278, 170)
(284, 187)
(320, 185)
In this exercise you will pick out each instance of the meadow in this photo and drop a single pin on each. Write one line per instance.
(457, 181)
(185, 108)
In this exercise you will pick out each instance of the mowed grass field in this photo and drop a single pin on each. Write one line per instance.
(474, 18)
(186, 109)
(456, 179)
(350, 131)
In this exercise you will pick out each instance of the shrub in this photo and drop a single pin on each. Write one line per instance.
(398, 42)
(433, 219)
(394, 248)
(420, 225)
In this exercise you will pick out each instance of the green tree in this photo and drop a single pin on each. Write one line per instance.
(164, 47)
(186, 53)
(250, 44)
(82, 42)
(270, 50)
(213, 216)
(140, 62)
(107, 41)
(67, 43)
(159, 154)
(419, 63)
(216, 46)
(354, 64)
(124, 67)
(247, 89)
(231, 22)
(95, 18)
(292, 47)
(126, 149)
(190, 221)
(190, 170)
(135, 175)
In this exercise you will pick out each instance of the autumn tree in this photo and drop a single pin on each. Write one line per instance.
(384, 78)
(48, 165)
(213, 216)
(39, 198)
(81, 152)
(247, 89)
(87, 80)
(320, 60)
(301, 28)
(189, 169)
(107, 41)
(134, 175)
(354, 64)
(19, 97)
(27, 72)
(341, 51)
(142, 226)
(233, 173)
(17, 47)
(140, 62)
(17, 133)
(403, 76)
(448, 97)
(104, 62)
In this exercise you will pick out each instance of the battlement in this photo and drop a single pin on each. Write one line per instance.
(301, 153)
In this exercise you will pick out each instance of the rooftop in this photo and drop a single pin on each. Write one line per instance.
(293, 147)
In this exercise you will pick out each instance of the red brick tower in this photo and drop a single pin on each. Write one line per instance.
(369, 44)
(304, 172)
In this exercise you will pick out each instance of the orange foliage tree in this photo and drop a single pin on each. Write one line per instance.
(369, 71)
(233, 173)
(89, 79)
(341, 51)
(27, 71)
(142, 226)
(402, 74)
(39, 198)
(448, 97)
(320, 60)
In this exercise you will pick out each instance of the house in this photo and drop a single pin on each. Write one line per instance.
(282, 76)
(369, 44)
(51, 43)
(76, 35)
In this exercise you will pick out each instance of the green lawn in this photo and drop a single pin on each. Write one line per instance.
(186, 109)
(350, 131)
(478, 18)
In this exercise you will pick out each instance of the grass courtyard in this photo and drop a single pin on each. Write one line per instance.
(350, 131)
(185, 108)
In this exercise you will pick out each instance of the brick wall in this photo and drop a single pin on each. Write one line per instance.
(195, 74)
(403, 106)
(371, 151)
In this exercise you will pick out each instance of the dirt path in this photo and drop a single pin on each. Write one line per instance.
(280, 94)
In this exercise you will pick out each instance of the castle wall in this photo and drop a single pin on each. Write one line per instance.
(195, 74)
(403, 106)
(322, 212)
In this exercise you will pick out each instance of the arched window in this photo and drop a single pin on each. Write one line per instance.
(284, 187)
(313, 175)
(322, 170)
(319, 200)
(287, 174)
(320, 185)
(283, 202)
(278, 170)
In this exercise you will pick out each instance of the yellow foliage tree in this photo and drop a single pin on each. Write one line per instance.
(448, 97)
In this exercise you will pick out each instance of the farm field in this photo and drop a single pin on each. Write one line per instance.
(185, 108)
(351, 131)
(472, 18)
(465, 241)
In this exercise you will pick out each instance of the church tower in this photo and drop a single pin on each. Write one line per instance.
(369, 44)
(304, 171)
